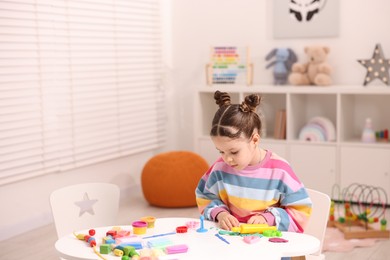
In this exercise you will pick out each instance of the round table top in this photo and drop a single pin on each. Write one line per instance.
(201, 245)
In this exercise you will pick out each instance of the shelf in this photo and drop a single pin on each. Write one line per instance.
(264, 89)
(347, 107)
(304, 107)
(355, 108)
(358, 143)
(313, 143)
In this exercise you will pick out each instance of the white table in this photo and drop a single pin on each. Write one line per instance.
(201, 245)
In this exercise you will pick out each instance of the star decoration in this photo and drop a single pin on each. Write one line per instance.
(86, 205)
(377, 67)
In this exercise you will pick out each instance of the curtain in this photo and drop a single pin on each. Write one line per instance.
(80, 83)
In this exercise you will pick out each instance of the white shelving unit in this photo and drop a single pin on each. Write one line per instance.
(319, 165)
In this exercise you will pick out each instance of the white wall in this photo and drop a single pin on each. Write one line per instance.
(25, 205)
(197, 25)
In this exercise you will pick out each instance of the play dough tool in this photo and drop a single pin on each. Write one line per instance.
(201, 229)
(159, 242)
(160, 235)
(221, 238)
(176, 249)
(252, 228)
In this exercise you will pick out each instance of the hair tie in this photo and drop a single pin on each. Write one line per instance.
(245, 108)
(222, 98)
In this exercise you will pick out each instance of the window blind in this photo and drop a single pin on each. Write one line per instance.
(80, 83)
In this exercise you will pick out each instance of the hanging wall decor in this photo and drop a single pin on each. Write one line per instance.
(305, 18)
(377, 67)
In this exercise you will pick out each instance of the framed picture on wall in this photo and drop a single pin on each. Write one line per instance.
(305, 18)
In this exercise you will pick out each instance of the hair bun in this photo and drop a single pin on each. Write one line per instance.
(250, 103)
(221, 98)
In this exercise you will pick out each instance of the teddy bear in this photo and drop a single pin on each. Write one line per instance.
(314, 72)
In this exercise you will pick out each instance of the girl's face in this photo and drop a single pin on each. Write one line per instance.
(239, 152)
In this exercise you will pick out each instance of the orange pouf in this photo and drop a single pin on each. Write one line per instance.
(170, 179)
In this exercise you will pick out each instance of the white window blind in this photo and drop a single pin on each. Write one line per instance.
(79, 82)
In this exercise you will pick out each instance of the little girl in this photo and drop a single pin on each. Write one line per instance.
(249, 184)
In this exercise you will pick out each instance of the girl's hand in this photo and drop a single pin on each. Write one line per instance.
(227, 221)
(258, 219)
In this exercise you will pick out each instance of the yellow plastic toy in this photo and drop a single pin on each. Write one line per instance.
(252, 228)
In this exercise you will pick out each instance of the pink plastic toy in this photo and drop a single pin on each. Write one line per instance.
(251, 239)
(176, 249)
(192, 224)
(277, 240)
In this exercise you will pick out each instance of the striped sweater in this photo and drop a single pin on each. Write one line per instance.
(269, 188)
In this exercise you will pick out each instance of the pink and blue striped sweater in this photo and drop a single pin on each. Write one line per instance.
(269, 188)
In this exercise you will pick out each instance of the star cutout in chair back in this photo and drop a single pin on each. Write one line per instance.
(377, 67)
(86, 205)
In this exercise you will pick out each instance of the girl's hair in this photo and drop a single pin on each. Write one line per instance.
(232, 120)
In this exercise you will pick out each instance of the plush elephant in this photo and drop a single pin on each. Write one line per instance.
(284, 59)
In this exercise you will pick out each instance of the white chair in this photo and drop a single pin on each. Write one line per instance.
(318, 220)
(84, 206)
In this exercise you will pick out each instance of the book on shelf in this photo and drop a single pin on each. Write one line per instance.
(280, 124)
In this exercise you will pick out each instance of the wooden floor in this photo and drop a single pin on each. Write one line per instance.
(39, 244)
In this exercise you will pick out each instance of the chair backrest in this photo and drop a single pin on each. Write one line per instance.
(84, 206)
(319, 217)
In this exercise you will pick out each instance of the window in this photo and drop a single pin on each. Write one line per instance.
(80, 83)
